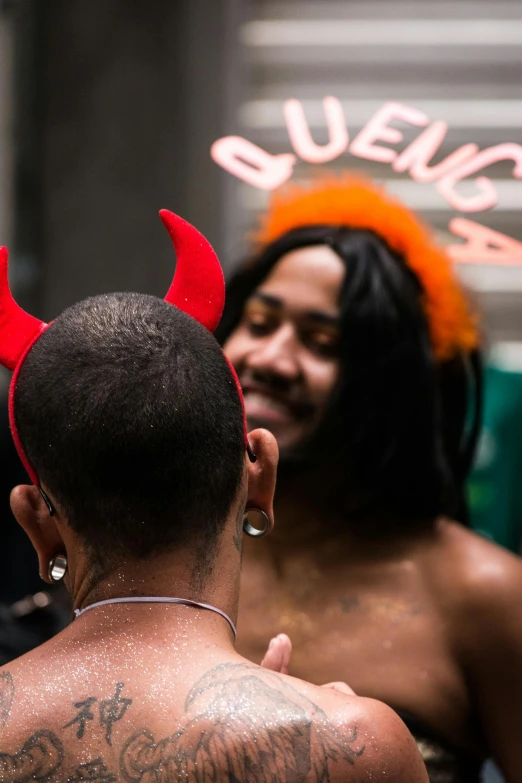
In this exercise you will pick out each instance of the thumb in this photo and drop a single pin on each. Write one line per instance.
(278, 654)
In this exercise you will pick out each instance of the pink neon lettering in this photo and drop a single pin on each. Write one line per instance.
(377, 130)
(487, 197)
(301, 138)
(417, 155)
(483, 245)
(252, 164)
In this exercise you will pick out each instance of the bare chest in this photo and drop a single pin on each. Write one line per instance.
(384, 637)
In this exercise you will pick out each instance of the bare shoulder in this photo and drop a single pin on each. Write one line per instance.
(482, 610)
(272, 726)
(479, 587)
(478, 575)
(359, 739)
(27, 692)
(7, 694)
(391, 752)
(28, 751)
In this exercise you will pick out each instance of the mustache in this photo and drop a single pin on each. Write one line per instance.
(282, 389)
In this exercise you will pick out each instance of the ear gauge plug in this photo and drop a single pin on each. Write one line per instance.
(57, 568)
(251, 456)
(255, 532)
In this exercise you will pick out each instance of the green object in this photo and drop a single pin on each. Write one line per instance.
(495, 484)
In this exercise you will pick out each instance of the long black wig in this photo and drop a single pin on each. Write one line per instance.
(404, 425)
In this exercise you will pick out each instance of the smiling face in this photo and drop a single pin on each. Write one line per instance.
(285, 348)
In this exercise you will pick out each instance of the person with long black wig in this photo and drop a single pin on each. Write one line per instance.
(356, 346)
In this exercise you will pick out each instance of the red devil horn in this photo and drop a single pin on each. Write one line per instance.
(18, 329)
(198, 287)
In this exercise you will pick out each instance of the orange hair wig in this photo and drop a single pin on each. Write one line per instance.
(355, 202)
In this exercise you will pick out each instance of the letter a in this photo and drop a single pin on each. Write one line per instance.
(483, 246)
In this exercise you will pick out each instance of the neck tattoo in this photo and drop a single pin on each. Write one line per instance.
(158, 600)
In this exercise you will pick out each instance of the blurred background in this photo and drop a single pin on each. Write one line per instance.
(108, 111)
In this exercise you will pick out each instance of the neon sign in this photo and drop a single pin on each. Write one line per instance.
(482, 245)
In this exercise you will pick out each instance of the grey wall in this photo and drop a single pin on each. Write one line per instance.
(133, 94)
(6, 126)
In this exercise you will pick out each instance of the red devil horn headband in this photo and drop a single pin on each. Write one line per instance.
(18, 329)
(198, 288)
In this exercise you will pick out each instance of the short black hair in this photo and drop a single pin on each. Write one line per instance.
(396, 417)
(129, 414)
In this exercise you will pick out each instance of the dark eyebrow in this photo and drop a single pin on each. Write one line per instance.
(273, 301)
(322, 318)
(316, 316)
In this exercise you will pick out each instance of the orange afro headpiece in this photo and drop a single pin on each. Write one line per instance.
(355, 202)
